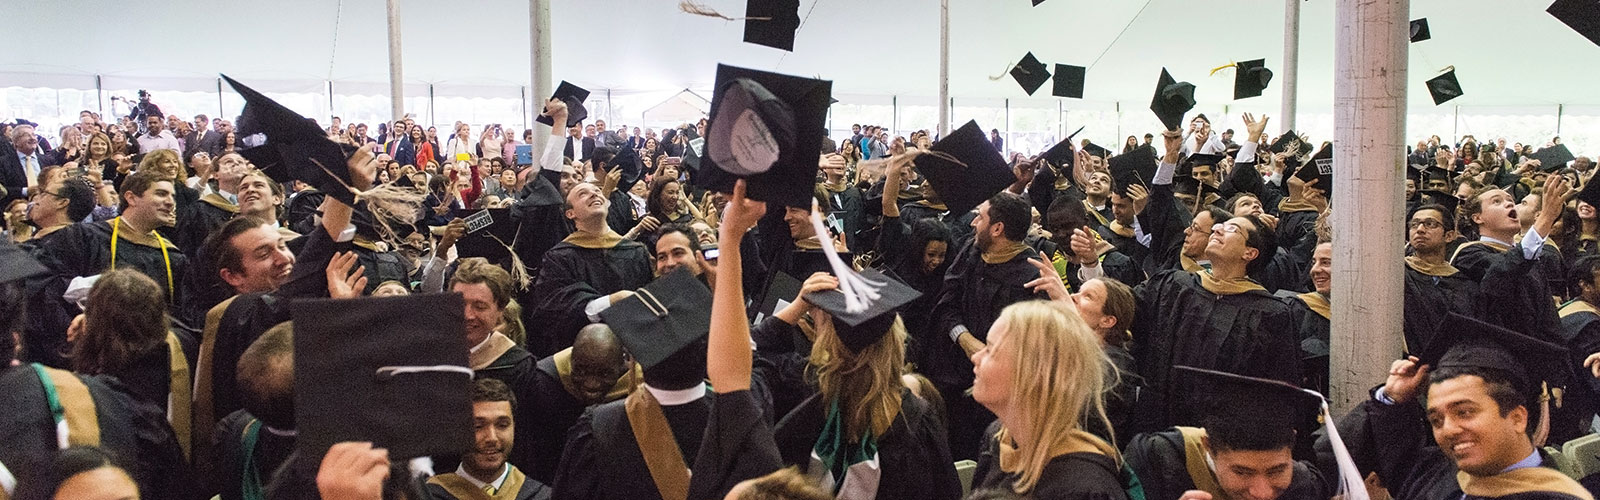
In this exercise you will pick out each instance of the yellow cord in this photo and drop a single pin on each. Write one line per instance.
(116, 225)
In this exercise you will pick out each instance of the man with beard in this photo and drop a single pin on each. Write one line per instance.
(593, 371)
(1434, 288)
(484, 471)
(486, 290)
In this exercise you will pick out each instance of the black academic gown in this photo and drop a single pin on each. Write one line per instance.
(1394, 441)
(912, 455)
(231, 439)
(737, 445)
(84, 249)
(602, 460)
(1513, 291)
(1073, 476)
(1429, 298)
(845, 204)
(569, 278)
(1580, 332)
(44, 333)
(128, 428)
(1165, 220)
(1162, 461)
(1314, 335)
(198, 219)
(556, 411)
(902, 258)
(1182, 323)
(541, 222)
(516, 368)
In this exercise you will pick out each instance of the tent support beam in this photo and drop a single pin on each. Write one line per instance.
(539, 37)
(944, 68)
(1291, 63)
(397, 96)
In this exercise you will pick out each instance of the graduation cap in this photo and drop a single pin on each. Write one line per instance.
(1251, 78)
(1320, 169)
(287, 146)
(1447, 200)
(1419, 30)
(749, 128)
(1060, 156)
(574, 96)
(1553, 158)
(390, 370)
(632, 167)
(1192, 187)
(1267, 406)
(1197, 160)
(489, 241)
(1134, 167)
(664, 317)
(1030, 73)
(1590, 193)
(1096, 150)
(691, 155)
(1444, 87)
(772, 23)
(16, 264)
(965, 169)
(1525, 360)
(1291, 142)
(1172, 100)
(1582, 16)
(860, 329)
(1068, 81)
(780, 291)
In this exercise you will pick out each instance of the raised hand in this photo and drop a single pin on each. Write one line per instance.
(1406, 377)
(1048, 281)
(740, 214)
(344, 282)
(1255, 128)
(353, 471)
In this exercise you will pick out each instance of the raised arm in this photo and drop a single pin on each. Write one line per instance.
(728, 356)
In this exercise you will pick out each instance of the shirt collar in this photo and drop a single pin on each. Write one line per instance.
(505, 471)
(678, 397)
(1494, 240)
(1533, 460)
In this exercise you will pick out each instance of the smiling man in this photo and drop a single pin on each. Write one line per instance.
(1480, 394)
(484, 472)
(593, 371)
(88, 249)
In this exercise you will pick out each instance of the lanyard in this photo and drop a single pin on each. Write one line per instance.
(116, 224)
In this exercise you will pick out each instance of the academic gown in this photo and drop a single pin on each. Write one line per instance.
(1173, 461)
(1072, 476)
(516, 368)
(1165, 220)
(1122, 239)
(198, 219)
(1250, 333)
(1513, 291)
(540, 223)
(602, 459)
(517, 486)
(913, 458)
(556, 411)
(1313, 338)
(569, 278)
(960, 225)
(1394, 441)
(784, 352)
(232, 441)
(737, 445)
(905, 261)
(84, 249)
(126, 426)
(1580, 333)
(44, 333)
(846, 205)
(1429, 298)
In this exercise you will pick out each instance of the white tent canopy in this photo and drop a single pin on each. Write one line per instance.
(682, 107)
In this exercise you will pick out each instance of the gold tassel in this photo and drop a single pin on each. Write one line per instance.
(1223, 67)
(519, 272)
(1004, 72)
(702, 10)
(384, 201)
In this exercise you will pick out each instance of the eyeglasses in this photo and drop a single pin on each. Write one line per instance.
(1424, 223)
(1226, 228)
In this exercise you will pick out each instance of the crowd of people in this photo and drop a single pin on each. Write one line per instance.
(1150, 322)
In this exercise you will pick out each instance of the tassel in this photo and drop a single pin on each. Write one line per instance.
(690, 7)
(1004, 72)
(1541, 432)
(1222, 67)
(859, 292)
(1351, 484)
(519, 272)
(385, 201)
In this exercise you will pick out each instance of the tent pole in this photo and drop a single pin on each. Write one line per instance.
(1291, 63)
(944, 67)
(397, 97)
(539, 37)
(1369, 99)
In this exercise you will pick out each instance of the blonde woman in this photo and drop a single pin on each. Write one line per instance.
(1043, 374)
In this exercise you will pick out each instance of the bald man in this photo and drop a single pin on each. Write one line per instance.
(594, 370)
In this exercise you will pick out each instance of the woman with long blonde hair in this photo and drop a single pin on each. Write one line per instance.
(864, 435)
(1044, 374)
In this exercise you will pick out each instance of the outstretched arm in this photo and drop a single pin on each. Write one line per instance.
(728, 356)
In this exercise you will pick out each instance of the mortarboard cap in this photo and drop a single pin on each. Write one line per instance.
(632, 167)
(1419, 30)
(1553, 158)
(859, 330)
(1590, 193)
(16, 264)
(747, 130)
(1198, 159)
(1135, 167)
(1582, 16)
(1448, 201)
(390, 370)
(1320, 169)
(1192, 187)
(964, 187)
(1250, 78)
(1527, 361)
(1030, 73)
(480, 241)
(1096, 150)
(781, 290)
(1068, 81)
(288, 146)
(574, 96)
(772, 23)
(1172, 100)
(666, 316)
(1060, 155)
(1268, 406)
(1444, 87)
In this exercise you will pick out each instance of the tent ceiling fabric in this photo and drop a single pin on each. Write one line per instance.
(876, 47)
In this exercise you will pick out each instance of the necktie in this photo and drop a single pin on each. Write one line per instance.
(33, 168)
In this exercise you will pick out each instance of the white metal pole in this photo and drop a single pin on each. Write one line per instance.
(539, 38)
(944, 67)
(1369, 126)
(1291, 63)
(397, 95)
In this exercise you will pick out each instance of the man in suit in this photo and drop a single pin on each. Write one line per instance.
(577, 143)
(607, 137)
(19, 168)
(589, 142)
(201, 139)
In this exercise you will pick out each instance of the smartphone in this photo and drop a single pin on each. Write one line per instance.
(711, 253)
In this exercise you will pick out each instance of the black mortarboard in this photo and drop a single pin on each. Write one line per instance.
(780, 292)
(16, 264)
(1444, 87)
(1472, 343)
(481, 242)
(574, 96)
(1553, 158)
(1590, 193)
(1172, 100)
(632, 167)
(287, 146)
(964, 187)
(1191, 186)
(1096, 150)
(1419, 30)
(858, 330)
(1068, 81)
(1134, 167)
(740, 130)
(1447, 200)
(1250, 78)
(1582, 16)
(1060, 155)
(1198, 159)
(667, 315)
(390, 370)
(772, 23)
(1030, 73)
(1268, 405)
(1320, 169)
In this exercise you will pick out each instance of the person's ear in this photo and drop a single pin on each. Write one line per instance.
(1250, 254)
